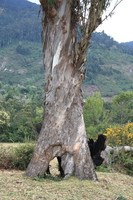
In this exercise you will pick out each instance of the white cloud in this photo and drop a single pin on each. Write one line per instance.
(35, 1)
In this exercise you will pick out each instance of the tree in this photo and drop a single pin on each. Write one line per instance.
(120, 107)
(95, 115)
(63, 130)
(4, 126)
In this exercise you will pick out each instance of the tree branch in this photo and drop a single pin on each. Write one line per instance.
(111, 12)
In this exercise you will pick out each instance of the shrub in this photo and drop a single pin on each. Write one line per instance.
(124, 162)
(120, 135)
(16, 157)
(6, 158)
(22, 156)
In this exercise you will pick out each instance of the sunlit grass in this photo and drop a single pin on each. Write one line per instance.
(10, 144)
(112, 185)
(13, 185)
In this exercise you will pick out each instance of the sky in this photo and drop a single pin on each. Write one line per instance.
(119, 26)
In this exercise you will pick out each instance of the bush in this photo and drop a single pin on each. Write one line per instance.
(6, 158)
(120, 135)
(124, 162)
(22, 156)
(16, 157)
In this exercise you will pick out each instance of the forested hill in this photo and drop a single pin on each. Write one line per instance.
(109, 64)
(20, 43)
(18, 3)
(19, 21)
(130, 44)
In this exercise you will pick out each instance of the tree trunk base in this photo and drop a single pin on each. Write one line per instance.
(76, 161)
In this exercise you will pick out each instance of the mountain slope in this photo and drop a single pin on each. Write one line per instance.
(19, 21)
(20, 43)
(130, 44)
(21, 62)
(109, 66)
(13, 3)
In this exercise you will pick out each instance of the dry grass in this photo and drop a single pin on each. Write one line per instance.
(11, 144)
(14, 186)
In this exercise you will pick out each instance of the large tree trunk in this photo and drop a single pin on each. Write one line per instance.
(63, 130)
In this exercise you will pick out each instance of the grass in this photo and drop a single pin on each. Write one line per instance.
(10, 144)
(111, 186)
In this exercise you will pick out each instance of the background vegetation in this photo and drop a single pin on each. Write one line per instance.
(20, 116)
(100, 115)
(109, 64)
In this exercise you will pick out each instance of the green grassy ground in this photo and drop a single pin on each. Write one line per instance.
(111, 186)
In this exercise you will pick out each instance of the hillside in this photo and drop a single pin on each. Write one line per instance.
(19, 20)
(21, 63)
(20, 43)
(130, 44)
(13, 3)
(109, 66)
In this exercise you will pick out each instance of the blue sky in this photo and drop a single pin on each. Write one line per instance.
(119, 26)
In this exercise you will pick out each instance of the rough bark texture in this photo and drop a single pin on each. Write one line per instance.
(63, 130)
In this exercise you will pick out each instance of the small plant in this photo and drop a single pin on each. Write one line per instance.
(44, 176)
(39, 178)
(102, 168)
(121, 198)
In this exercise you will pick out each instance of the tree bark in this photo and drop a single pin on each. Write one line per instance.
(63, 130)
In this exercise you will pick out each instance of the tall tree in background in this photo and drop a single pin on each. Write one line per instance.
(67, 28)
(120, 107)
